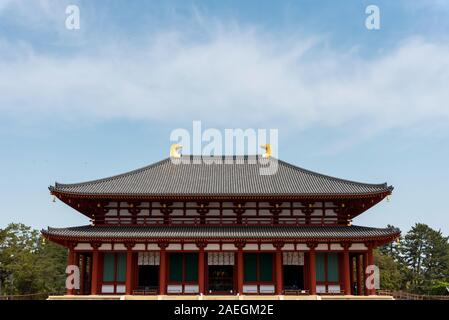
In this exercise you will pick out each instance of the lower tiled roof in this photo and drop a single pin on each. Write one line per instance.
(221, 232)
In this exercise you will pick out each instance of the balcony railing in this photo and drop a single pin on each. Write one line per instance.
(212, 221)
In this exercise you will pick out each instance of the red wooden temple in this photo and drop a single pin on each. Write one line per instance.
(215, 225)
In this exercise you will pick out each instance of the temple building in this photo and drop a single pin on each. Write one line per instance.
(214, 225)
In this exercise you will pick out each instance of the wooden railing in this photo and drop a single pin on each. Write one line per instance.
(296, 292)
(33, 296)
(146, 291)
(211, 221)
(401, 295)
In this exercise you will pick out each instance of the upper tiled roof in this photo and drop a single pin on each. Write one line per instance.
(221, 176)
(222, 232)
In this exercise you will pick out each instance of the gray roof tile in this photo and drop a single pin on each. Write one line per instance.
(242, 177)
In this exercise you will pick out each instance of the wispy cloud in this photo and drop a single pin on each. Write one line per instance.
(232, 75)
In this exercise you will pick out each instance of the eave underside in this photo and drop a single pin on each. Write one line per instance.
(219, 196)
(351, 205)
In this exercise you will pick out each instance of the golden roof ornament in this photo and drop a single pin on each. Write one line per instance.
(174, 150)
(267, 153)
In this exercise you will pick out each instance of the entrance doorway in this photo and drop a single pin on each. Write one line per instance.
(148, 278)
(221, 279)
(293, 271)
(220, 273)
(293, 277)
(147, 273)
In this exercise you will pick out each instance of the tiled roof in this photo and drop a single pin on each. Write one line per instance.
(213, 176)
(221, 232)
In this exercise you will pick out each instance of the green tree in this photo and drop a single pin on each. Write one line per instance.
(51, 267)
(3, 274)
(419, 262)
(436, 263)
(425, 252)
(392, 273)
(392, 249)
(28, 264)
(390, 261)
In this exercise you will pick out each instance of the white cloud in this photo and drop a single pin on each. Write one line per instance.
(234, 77)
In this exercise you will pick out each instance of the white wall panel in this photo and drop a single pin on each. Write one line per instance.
(139, 246)
(153, 246)
(105, 246)
(358, 246)
(228, 246)
(190, 246)
(83, 246)
(212, 246)
(302, 247)
(174, 246)
(322, 246)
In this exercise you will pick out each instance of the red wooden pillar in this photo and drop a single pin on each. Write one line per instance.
(70, 261)
(351, 274)
(371, 263)
(279, 284)
(201, 264)
(240, 267)
(95, 261)
(360, 283)
(162, 268)
(82, 268)
(312, 268)
(129, 268)
(76, 262)
(346, 270)
(365, 265)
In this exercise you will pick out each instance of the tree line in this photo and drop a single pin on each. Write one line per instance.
(417, 263)
(29, 264)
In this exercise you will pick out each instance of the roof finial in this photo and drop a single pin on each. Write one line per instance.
(267, 153)
(174, 150)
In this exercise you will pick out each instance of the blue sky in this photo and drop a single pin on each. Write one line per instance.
(358, 104)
